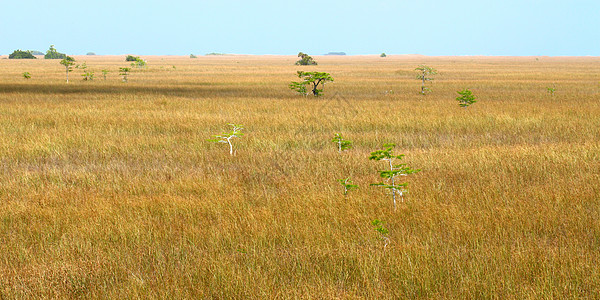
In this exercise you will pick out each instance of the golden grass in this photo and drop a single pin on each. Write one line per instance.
(111, 190)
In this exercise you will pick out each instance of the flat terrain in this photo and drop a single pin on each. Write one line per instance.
(112, 190)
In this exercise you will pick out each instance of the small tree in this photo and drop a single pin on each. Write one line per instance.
(68, 62)
(124, 72)
(466, 98)
(26, 75)
(424, 75)
(312, 79)
(131, 58)
(394, 171)
(347, 184)
(305, 60)
(342, 144)
(383, 232)
(383, 55)
(104, 72)
(20, 54)
(53, 54)
(227, 136)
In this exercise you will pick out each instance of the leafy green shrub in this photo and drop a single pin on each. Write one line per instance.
(131, 58)
(466, 98)
(193, 56)
(35, 52)
(305, 60)
(383, 55)
(53, 54)
(26, 75)
(20, 54)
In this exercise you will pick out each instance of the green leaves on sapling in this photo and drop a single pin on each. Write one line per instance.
(342, 144)
(392, 172)
(347, 184)
(228, 136)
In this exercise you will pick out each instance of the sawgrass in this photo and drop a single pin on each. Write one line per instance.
(111, 190)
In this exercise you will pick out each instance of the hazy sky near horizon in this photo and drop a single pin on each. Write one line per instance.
(435, 27)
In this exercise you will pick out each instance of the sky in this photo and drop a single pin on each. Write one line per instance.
(178, 27)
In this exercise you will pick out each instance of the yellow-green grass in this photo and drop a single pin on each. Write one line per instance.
(111, 189)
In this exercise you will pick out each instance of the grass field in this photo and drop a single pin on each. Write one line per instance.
(111, 189)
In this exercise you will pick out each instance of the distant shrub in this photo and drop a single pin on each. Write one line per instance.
(193, 56)
(215, 53)
(305, 60)
(132, 58)
(90, 53)
(53, 54)
(383, 55)
(20, 54)
(35, 52)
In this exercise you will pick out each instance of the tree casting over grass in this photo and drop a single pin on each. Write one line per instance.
(312, 79)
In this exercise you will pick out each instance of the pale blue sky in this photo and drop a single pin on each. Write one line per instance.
(459, 27)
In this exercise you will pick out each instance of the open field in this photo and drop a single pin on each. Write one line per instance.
(111, 189)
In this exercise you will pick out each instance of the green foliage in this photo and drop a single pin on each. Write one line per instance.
(342, 144)
(551, 90)
(20, 54)
(137, 62)
(131, 58)
(305, 60)
(466, 98)
(227, 136)
(88, 76)
(68, 62)
(124, 72)
(35, 52)
(104, 72)
(379, 227)
(383, 55)
(424, 75)
(26, 75)
(53, 54)
(394, 170)
(347, 184)
(383, 232)
(312, 79)
(193, 56)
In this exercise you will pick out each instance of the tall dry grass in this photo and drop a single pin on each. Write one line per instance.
(111, 190)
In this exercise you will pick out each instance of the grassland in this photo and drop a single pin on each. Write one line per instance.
(111, 190)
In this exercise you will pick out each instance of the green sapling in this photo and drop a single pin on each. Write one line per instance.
(342, 144)
(394, 171)
(347, 184)
(227, 136)
(124, 72)
(466, 98)
(26, 75)
(104, 72)
(383, 232)
(424, 75)
(551, 90)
